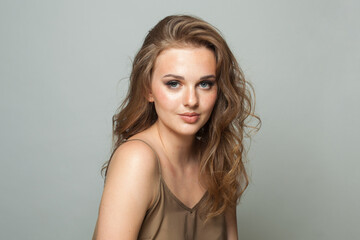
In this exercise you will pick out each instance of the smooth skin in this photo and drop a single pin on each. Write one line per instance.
(183, 84)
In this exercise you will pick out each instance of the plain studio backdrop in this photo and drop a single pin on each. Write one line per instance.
(64, 68)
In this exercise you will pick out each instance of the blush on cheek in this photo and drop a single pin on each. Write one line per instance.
(159, 94)
(211, 98)
(165, 99)
(163, 96)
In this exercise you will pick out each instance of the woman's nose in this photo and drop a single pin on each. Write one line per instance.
(191, 99)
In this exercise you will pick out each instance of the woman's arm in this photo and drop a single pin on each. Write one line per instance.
(231, 224)
(129, 191)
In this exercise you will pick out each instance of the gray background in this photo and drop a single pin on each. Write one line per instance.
(64, 68)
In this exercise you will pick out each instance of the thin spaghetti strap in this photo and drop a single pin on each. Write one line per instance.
(157, 156)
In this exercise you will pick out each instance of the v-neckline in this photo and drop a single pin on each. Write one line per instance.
(180, 202)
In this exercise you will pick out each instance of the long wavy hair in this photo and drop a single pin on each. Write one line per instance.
(222, 169)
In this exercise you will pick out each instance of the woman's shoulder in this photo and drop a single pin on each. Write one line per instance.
(133, 169)
(135, 154)
(131, 187)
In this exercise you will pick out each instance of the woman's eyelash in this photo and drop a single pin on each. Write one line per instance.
(208, 83)
(203, 84)
(172, 83)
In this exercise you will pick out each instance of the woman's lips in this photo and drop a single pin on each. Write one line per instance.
(190, 117)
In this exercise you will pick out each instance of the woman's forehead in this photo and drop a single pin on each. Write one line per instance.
(185, 56)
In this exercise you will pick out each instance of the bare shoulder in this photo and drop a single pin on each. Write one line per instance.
(136, 157)
(130, 189)
(134, 166)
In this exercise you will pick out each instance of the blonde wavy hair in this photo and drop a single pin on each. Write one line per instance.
(222, 167)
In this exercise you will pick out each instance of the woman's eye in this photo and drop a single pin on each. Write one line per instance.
(206, 84)
(172, 84)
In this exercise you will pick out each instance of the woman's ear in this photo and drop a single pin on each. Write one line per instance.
(150, 97)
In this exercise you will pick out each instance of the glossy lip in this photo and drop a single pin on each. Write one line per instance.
(190, 117)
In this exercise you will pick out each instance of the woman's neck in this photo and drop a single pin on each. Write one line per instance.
(179, 149)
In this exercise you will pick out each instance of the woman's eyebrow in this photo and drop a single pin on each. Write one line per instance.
(174, 76)
(207, 77)
(182, 78)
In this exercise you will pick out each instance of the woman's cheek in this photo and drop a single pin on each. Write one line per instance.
(166, 99)
(211, 99)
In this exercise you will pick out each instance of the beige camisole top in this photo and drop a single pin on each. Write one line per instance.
(170, 219)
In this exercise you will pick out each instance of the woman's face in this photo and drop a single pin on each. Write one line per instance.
(184, 88)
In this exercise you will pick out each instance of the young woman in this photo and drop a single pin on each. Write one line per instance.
(176, 171)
